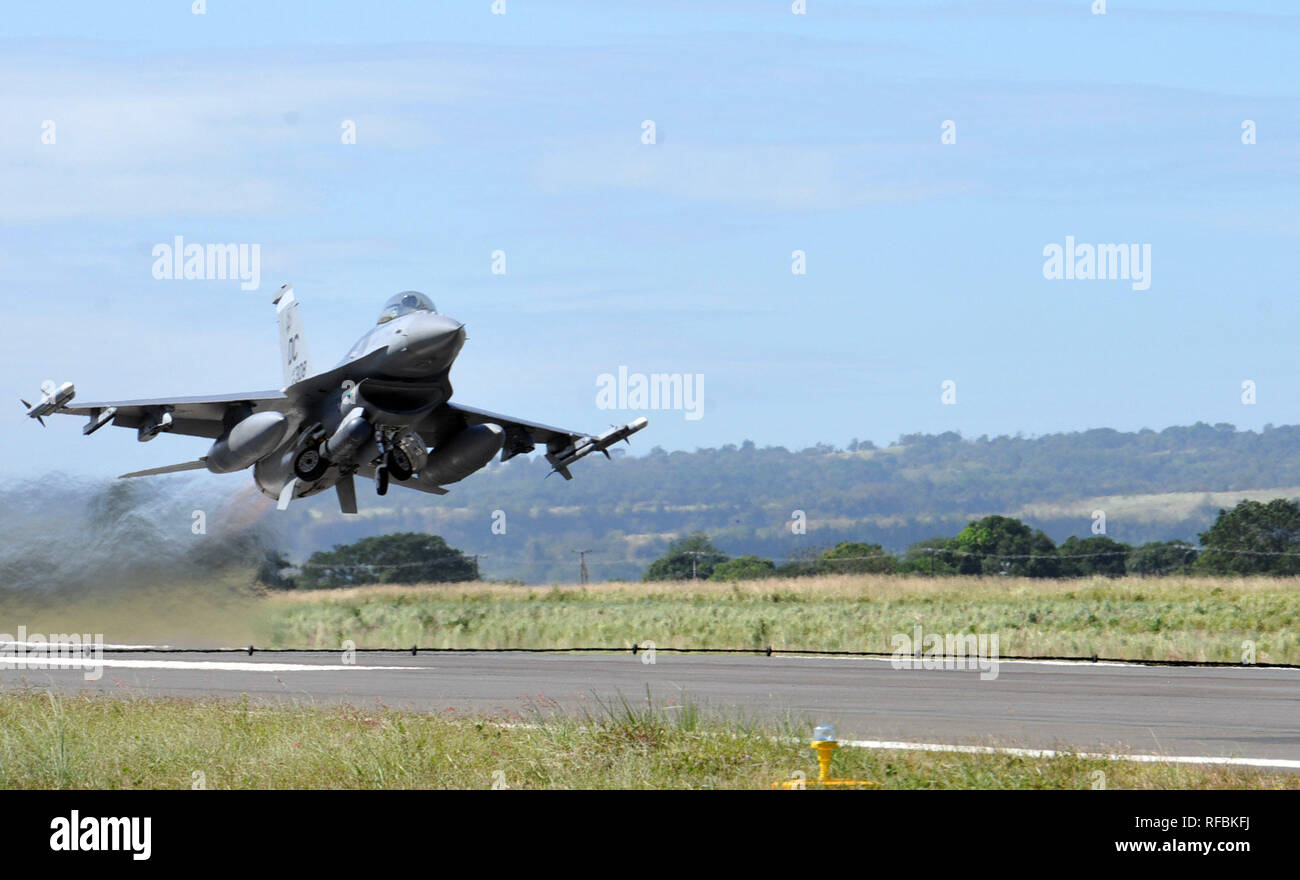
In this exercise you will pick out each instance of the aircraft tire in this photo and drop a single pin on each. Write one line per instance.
(310, 465)
(399, 465)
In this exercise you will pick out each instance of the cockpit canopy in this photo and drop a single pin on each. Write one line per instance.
(404, 303)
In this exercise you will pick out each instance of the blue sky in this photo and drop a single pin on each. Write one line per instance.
(775, 132)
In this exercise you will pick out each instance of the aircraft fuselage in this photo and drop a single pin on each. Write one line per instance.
(396, 373)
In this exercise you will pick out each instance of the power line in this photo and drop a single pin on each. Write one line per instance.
(695, 555)
(582, 566)
(343, 569)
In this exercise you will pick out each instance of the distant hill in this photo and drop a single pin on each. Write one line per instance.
(1151, 485)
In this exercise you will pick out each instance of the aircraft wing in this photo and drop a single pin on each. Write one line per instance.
(191, 416)
(563, 447)
(536, 431)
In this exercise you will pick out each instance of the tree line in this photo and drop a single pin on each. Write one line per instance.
(627, 510)
(1252, 538)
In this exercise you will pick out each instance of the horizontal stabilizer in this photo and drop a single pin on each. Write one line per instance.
(169, 469)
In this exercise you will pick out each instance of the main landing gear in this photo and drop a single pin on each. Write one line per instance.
(396, 460)
(309, 465)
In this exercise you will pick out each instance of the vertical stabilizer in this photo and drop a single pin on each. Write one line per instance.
(294, 356)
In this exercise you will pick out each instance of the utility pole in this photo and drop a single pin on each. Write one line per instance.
(477, 556)
(582, 565)
(695, 555)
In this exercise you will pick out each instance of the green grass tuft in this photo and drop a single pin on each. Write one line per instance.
(111, 742)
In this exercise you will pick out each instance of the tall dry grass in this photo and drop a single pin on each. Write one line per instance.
(1172, 618)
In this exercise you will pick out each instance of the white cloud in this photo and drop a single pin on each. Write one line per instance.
(794, 177)
(140, 139)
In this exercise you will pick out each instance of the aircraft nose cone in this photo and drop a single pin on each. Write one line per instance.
(435, 337)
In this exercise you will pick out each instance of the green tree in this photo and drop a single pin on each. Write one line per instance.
(1005, 545)
(1096, 555)
(1161, 557)
(1251, 538)
(404, 558)
(693, 554)
(804, 562)
(933, 555)
(743, 568)
(857, 558)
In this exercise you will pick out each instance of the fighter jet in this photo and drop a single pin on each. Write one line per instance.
(384, 413)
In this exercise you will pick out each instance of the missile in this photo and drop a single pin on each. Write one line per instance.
(561, 459)
(51, 401)
(98, 419)
(159, 420)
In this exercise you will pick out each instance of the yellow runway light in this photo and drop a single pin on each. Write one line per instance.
(824, 744)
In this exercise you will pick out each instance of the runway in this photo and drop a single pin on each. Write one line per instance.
(1186, 711)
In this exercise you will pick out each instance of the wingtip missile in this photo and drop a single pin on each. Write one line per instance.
(27, 406)
(561, 460)
(52, 400)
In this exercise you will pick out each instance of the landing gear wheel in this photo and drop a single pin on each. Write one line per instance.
(399, 464)
(310, 465)
(381, 480)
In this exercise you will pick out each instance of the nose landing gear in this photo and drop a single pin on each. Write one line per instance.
(394, 462)
(399, 463)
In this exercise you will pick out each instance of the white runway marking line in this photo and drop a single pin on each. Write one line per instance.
(42, 646)
(1079, 664)
(1052, 753)
(212, 665)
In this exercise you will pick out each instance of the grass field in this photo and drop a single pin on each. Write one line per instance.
(88, 742)
(1172, 618)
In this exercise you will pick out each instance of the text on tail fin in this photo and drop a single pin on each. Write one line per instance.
(294, 356)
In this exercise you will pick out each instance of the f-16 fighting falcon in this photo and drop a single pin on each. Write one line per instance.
(384, 412)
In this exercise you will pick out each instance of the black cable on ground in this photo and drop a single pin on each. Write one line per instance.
(767, 651)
